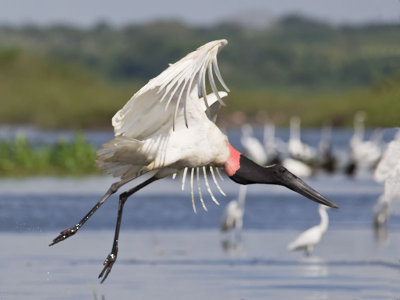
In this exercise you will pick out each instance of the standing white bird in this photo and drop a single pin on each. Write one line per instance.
(364, 153)
(297, 148)
(326, 159)
(253, 147)
(300, 153)
(167, 127)
(272, 144)
(232, 219)
(388, 172)
(312, 236)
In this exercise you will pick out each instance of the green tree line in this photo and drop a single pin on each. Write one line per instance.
(296, 65)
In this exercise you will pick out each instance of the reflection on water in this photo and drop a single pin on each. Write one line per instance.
(313, 266)
(232, 247)
(381, 234)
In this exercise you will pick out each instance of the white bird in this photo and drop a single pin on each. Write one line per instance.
(297, 148)
(381, 210)
(364, 153)
(388, 172)
(233, 213)
(312, 236)
(168, 127)
(327, 160)
(253, 147)
(300, 152)
(272, 144)
(297, 167)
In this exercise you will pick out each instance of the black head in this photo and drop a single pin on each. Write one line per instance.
(249, 173)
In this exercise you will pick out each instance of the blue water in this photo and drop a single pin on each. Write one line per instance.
(52, 212)
(168, 252)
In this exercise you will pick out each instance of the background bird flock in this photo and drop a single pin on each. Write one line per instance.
(371, 155)
(168, 128)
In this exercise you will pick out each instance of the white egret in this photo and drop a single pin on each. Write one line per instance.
(272, 144)
(388, 172)
(253, 147)
(327, 160)
(297, 167)
(312, 236)
(364, 153)
(232, 219)
(297, 148)
(300, 153)
(167, 127)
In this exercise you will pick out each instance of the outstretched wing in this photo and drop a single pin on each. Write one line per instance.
(165, 97)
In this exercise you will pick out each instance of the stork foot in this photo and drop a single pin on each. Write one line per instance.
(65, 234)
(108, 264)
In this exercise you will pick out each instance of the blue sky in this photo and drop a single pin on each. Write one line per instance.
(204, 12)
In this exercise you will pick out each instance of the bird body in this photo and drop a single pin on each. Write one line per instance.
(234, 211)
(364, 153)
(272, 143)
(168, 126)
(253, 147)
(312, 236)
(388, 172)
(297, 148)
(297, 167)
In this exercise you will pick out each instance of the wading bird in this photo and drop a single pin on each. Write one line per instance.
(300, 153)
(298, 149)
(253, 147)
(168, 127)
(326, 159)
(309, 238)
(388, 172)
(232, 219)
(272, 143)
(364, 153)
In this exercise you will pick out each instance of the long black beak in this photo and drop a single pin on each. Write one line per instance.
(294, 183)
(250, 172)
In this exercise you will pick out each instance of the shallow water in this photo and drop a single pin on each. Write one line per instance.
(167, 251)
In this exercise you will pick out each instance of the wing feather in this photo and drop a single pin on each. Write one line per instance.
(164, 97)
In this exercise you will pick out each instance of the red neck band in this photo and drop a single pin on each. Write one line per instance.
(233, 162)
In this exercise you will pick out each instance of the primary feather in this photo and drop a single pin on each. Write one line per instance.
(168, 125)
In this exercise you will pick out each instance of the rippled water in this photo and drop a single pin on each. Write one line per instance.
(168, 252)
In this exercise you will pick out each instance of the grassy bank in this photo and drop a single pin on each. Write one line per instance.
(381, 102)
(50, 94)
(65, 77)
(20, 158)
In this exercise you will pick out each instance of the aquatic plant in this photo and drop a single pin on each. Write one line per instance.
(19, 157)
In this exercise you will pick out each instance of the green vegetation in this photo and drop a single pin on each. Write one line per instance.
(20, 158)
(65, 77)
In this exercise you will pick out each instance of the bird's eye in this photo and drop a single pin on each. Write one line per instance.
(281, 169)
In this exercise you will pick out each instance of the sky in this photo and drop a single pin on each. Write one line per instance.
(205, 12)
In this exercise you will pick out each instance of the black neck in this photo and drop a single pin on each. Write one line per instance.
(250, 173)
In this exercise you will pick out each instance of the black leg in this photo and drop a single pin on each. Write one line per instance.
(72, 230)
(112, 257)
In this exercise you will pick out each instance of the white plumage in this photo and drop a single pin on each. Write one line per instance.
(297, 148)
(299, 152)
(167, 127)
(234, 211)
(364, 153)
(312, 236)
(297, 167)
(388, 172)
(253, 147)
